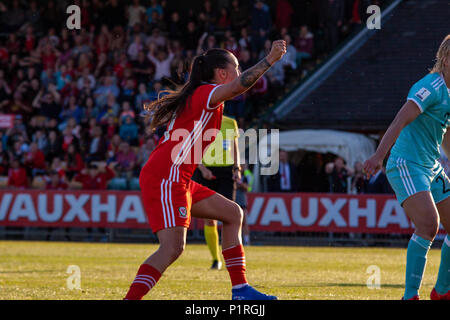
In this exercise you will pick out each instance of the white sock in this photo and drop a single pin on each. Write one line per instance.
(238, 286)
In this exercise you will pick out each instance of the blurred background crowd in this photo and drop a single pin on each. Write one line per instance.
(71, 100)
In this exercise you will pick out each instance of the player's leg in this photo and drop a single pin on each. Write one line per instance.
(167, 205)
(442, 288)
(212, 241)
(171, 245)
(217, 207)
(412, 187)
(441, 194)
(422, 211)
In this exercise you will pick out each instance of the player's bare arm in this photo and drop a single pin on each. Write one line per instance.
(250, 76)
(405, 116)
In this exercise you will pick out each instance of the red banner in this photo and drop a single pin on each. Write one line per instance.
(327, 212)
(266, 211)
(110, 209)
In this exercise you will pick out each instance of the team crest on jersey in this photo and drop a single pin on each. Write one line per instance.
(182, 211)
(423, 94)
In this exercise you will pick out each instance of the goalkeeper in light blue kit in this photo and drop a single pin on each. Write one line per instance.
(415, 174)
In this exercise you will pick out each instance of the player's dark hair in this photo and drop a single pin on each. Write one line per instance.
(202, 71)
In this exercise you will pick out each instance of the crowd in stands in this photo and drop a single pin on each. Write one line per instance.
(71, 100)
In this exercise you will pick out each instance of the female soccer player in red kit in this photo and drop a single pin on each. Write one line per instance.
(169, 195)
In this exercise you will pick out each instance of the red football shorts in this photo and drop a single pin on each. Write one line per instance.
(168, 204)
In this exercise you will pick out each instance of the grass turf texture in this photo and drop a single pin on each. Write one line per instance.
(38, 270)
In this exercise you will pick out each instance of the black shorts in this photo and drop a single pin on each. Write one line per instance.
(223, 183)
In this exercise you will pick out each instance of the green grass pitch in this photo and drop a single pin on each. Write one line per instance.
(38, 270)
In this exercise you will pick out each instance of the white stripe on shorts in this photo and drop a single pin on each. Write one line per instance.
(409, 176)
(163, 204)
(402, 176)
(408, 191)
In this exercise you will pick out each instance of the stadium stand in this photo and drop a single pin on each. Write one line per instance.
(367, 90)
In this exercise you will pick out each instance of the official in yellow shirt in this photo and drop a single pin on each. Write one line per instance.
(219, 170)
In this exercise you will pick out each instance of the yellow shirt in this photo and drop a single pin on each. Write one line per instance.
(219, 153)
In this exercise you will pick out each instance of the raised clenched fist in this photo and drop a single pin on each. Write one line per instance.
(277, 52)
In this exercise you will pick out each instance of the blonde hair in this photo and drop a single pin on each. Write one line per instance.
(442, 55)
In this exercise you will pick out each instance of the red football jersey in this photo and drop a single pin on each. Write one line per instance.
(188, 135)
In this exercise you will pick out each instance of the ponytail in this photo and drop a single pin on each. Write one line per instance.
(165, 108)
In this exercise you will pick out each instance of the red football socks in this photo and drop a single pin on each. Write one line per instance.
(146, 278)
(235, 261)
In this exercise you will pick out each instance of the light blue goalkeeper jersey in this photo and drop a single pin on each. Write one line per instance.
(420, 140)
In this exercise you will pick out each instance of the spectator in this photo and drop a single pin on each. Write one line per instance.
(103, 91)
(154, 7)
(128, 90)
(283, 14)
(53, 146)
(55, 182)
(145, 151)
(261, 22)
(48, 103)
(238, 14)
(338, 173)
(95, 178)
(136, 13)
(162, 62)
(58, 166)
(40, 139)
(275, 74)
(156, 38)
(4, 160)
(126, 112)
(97, 146)
(34, 160)
(359, 180)
(135, 48)
(378, 183)
(87, 80)
(245, 41)
(178, 73)
(289, 59)
(17, 175)
(113, 147)
(111, 127)
(191, 37)
(223, 21)
(74, 161)
(68, 139)
(143, 96)
(126, 160)
(304, 44)
(129, 131)
(285, 180)
(142, 68)
(71, 111)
